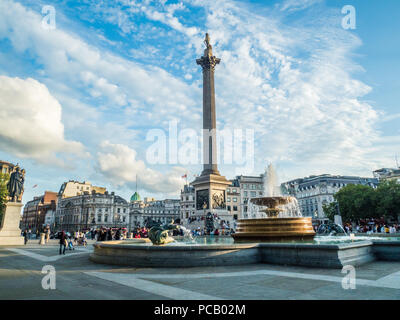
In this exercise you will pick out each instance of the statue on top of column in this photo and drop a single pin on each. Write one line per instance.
(208, 60)
(207, 41)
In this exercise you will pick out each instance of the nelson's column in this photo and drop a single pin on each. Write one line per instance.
(210, 186)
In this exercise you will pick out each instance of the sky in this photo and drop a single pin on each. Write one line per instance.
(79, 99)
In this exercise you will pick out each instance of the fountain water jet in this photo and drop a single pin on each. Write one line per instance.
(274, 217)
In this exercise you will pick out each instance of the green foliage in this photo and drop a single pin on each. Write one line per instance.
(4, 177)
(356, 202)
(388, 199)
(330, 210)
(359, 202)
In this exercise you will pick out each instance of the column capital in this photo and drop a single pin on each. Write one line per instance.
(208, 61)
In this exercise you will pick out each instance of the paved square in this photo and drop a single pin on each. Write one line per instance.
(79, 278)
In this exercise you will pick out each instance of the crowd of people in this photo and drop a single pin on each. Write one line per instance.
(370, 226)
(216, 232)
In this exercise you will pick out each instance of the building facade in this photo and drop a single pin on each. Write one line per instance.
(313, 192)
(91, 210)
(387, 174)
(38, 211)
(74, 188)
(187, 203)
(250, 187)
(6, 167)
(141, 212)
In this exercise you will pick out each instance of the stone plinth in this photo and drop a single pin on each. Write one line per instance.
(10, 233)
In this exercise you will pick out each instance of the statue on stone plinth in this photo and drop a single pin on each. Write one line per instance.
(15, 185)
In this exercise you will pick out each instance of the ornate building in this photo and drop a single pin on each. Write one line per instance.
(314, 192)
(140, 212)
(91, 210)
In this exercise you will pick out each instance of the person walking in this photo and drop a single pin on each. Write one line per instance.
(25, 234)
(63, 242)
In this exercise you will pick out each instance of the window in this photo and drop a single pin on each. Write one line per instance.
(253, 193)
(228, 200)
(234, 199)
(106, 218)
(99, 218)
(235, 208)
(123, 219)
(229, 208)
(234, 190)
(119, 210)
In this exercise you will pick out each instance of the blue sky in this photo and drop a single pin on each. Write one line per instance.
(83, 97)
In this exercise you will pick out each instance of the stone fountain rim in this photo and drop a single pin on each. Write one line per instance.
(249, 245)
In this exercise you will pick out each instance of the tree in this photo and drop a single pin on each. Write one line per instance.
(356, 202)
(388, 199)
(330, 210)
(4, 177)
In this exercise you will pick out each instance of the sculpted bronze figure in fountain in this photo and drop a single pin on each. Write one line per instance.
(158, 233)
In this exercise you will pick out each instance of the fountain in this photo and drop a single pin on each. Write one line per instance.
(331, 229)
(274, 217)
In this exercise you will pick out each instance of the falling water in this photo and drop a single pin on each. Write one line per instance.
(271, 186)
(187, 233)
(273, 189)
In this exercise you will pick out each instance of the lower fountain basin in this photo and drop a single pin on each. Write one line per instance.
(137, 254)
(141, 253)
(274, 230)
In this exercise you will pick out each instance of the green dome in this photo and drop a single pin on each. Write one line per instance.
(135, 197)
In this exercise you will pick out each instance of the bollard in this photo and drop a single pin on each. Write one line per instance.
(42, 240)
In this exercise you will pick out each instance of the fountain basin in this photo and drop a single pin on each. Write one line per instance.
(274, 230)
(177, 255)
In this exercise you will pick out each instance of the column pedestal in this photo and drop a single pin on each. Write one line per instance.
(10, 233)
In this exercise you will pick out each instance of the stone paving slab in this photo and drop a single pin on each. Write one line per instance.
(20, 278)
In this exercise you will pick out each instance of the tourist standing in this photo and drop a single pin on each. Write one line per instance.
(63, 242)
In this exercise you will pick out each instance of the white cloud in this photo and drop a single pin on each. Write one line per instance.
(118, 163)
(66, 58)
(30, 122)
